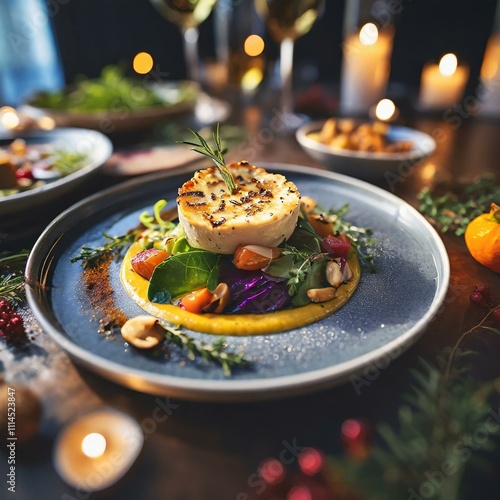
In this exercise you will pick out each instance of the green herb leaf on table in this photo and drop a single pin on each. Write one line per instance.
(454, 209)
(183, 273)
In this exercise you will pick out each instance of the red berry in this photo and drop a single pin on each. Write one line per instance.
(11, 324)
(481, 288)
(476, 297)
(496, 314)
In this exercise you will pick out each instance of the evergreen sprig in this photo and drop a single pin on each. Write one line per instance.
(216, 155)
(214, 352)
(12, 280)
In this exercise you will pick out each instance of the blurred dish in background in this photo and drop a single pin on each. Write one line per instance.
(363, 149)
(89, 147)
(115, 103)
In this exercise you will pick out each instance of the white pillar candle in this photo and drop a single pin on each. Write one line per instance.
(365, 69)
(489, 93)
(442, 85)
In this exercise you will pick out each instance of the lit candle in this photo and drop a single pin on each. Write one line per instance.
(443, 85)
(365, 69)
(385, 111)
(489, 93)
(97, 449)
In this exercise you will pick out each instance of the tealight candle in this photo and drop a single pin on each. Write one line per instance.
(365, 69)
(97, 449)
(385, 111)
(442, 85)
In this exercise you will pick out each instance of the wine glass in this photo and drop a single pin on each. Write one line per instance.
(188, 15)
(287, 20)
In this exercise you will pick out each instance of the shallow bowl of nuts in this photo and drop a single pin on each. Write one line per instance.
(367, 150)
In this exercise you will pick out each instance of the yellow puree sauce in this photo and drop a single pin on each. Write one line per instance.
(236, 324)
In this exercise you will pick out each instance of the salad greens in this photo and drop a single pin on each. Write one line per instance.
(183, 273)
(111, 91)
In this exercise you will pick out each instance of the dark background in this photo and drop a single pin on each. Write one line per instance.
(93, 33)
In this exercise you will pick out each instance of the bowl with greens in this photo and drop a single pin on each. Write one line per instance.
(114, 102)
(39, 166)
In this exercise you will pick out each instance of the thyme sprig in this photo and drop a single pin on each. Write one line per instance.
(114, 245)
(453, 210)
(216, 155)
(302, 266)
(214, 352)
(12, 278)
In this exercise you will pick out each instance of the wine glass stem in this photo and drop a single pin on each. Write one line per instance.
(190, 38)
(286, 67)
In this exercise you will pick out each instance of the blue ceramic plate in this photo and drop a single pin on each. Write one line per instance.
(387, 313)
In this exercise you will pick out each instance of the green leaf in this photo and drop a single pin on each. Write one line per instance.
(281, 267)
(183, 273)
(313, 279)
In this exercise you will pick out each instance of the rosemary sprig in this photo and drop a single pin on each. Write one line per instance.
(453, 210)
(11, 275)
(113, 246)
(215, 352)
(216, 155)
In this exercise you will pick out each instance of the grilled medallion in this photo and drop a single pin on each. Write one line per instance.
(263, 210)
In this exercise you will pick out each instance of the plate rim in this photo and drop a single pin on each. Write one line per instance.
(197, 389)
(347, 154)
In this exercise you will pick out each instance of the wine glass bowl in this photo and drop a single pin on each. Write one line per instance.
(187, 15)
(286, 21)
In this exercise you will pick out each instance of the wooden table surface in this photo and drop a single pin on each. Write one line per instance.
(212, 451)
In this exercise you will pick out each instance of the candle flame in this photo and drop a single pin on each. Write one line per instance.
(368, 34)
(93, 445)
(142, 63)
(385, 110)
(448, 64)
(9, 118)
(254, 45)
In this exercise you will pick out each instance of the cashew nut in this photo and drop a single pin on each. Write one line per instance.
(220, 299)
(347, 272)
(321, 294)
(334, 274)
(143, 332)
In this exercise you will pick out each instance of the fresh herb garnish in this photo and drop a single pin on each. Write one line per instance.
(453, 210)
(215, 352)
(114, 246)
(12, 278)
(216, 155)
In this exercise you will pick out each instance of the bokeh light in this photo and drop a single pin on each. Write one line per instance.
(272, 471)
(385, 109)
(299, 492)
(254, 45)
(311, 461)
(143, 63)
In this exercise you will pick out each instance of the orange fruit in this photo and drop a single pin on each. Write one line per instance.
(482, 238)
